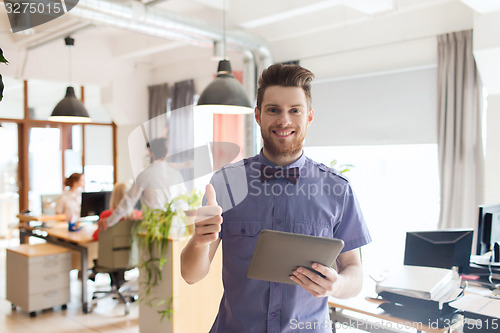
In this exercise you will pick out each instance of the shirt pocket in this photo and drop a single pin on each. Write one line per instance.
(313, 229)
(240, 237)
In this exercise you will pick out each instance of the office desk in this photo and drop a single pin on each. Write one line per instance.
(369, 307)
(58, 234)
(366, 304)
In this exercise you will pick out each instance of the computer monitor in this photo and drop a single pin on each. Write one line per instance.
(488, 228)
(439, 248)
(93, 203)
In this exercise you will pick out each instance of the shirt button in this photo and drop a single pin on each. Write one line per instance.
(243, 231)
(273, 314)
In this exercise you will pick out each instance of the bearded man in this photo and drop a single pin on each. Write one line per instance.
(288, 192)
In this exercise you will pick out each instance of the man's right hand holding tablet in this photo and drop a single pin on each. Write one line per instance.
(197, 255)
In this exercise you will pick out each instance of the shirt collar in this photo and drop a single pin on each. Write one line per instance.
(298, 163)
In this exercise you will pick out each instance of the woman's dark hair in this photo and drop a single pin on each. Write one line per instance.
(74, 178)
(285, 76)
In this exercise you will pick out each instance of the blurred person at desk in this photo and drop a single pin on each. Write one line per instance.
(155, 186)
(69, 202)
(119, 191)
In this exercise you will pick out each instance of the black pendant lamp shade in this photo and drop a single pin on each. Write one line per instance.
(70, 109)
(225, 94)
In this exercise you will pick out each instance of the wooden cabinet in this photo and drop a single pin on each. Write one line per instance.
(38, 276)
(194, 306)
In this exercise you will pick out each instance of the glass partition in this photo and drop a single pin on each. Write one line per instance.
(98, 158)
(72, 150)
(9, 198)
(54, 151)
(12, 105)
(45, 165)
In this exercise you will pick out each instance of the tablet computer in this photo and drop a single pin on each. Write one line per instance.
(277, 254)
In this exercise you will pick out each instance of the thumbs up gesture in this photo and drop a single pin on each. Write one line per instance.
(208, 219)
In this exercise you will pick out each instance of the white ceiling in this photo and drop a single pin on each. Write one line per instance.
(277, 22)
(274, 21)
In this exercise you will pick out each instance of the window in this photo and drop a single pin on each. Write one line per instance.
(12, 105)
(9, 198)
(398, 190)
(45, 165)
(51, 151)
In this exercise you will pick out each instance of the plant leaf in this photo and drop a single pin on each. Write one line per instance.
(2, 58)
(1, 87)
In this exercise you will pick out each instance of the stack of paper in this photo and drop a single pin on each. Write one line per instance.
(429, 283)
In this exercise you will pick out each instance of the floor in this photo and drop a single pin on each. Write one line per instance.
(108, 315)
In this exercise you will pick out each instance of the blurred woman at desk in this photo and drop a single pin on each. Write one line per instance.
(69, 202)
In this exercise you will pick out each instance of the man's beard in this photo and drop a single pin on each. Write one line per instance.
(275, 148)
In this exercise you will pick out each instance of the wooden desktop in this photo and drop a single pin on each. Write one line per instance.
(363, 312)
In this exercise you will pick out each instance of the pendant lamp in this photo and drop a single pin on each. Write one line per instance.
(224, 95)
(70, 109)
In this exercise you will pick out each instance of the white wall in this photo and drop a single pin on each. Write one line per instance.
(487, 55)
(492, 163)
(487, 49)
(385, 42)
(384, 109)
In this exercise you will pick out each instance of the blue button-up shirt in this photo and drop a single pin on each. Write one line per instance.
(321, 204)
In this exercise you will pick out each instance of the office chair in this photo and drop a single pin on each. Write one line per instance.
(117, 253)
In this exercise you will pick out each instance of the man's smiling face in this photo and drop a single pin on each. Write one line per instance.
(283, 119)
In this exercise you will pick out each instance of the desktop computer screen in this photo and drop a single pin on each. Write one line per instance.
(93, 203)
(439, 248)
(488, 228)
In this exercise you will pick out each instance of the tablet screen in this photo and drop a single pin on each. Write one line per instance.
(277, 254)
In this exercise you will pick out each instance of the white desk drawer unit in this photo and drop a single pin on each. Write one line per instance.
(38, 276)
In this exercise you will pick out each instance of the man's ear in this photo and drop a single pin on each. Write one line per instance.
(257, 115)
(310, 117)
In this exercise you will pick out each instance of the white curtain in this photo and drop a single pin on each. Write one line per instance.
(460, 144)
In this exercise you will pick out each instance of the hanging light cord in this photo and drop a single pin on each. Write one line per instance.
(69, 64)
(69, 42)
(224, 26)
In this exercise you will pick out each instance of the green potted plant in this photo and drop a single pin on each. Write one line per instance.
(159, 261)
(191, 202)
(153, 232)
